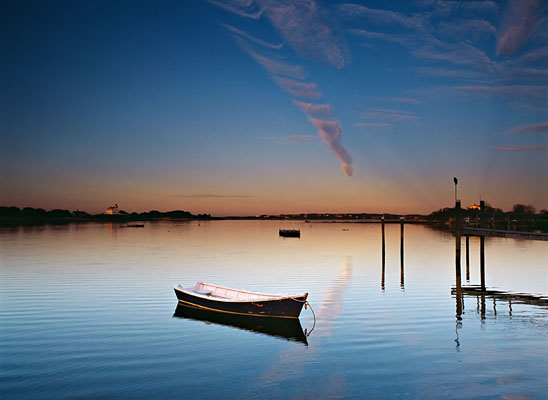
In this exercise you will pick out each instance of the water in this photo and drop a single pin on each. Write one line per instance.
(87, 311)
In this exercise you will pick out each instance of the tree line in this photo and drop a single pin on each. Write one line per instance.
(30, 213)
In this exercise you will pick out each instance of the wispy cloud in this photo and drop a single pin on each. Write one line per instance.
(538, 92)
(407, 100)
(330, 132)
(307, 90)
(521, 96)
(319, 110)
(486, 7)
(363, 124)
(239, 33)
(443, 9)
(303, 24)
(243, 8)
(531, 147)
(403, 40)
(541, 127)
(279, 67)
(449, 39)
(290, 139)
(534, 56)
(274, 66)
(524, 74)
(456, 53)
(213, 196)
(385, 114)
(532, 65)
(449, 72)
(415, 21)
(467, 28)
(520, 21)
(425, 47)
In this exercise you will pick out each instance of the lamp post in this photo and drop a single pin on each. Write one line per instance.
(456, 182)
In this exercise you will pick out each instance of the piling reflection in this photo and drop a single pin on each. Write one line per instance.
(511, 297)
(487, 302)
(287, 328)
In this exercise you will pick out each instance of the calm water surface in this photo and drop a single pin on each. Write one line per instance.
(88, 311)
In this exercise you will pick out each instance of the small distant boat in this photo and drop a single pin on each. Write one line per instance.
(135, 225)
(290, 233)
(226, 300)
(287, 328)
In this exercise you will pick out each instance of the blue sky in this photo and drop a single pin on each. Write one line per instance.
(253, 106)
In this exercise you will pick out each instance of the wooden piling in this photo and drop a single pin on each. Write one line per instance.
(383, 242)
(402, 276)
(383, 252)
(401, 242)
(467, 258)
(482, 249)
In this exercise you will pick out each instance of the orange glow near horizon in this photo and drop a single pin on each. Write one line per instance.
(260, 193)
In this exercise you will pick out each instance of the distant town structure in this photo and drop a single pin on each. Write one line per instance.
(112, 210)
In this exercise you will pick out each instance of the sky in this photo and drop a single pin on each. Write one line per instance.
(249, 107)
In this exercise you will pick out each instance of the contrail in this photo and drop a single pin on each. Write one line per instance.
(302, 25)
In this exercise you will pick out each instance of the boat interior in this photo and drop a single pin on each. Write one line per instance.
(226, 293)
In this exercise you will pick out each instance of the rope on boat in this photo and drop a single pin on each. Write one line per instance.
(314, 314)
(306, 303)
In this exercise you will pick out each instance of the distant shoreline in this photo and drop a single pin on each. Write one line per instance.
(443, 219)
(129, 219)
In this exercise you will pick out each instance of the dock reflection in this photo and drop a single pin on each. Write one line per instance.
(501, 296)
(287, 328)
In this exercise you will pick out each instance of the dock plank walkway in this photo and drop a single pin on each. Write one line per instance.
(471, 231)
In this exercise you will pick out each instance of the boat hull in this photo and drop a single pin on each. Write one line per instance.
(290, 233)
(278, 308)
(287, 328)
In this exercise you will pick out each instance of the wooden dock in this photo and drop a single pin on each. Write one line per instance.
(480, 291)
(483, 232)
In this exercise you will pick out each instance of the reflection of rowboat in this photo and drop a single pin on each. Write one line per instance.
(241, 302)
(288, 328)
(290, 233)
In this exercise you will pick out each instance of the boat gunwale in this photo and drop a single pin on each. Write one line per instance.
(269, 296)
